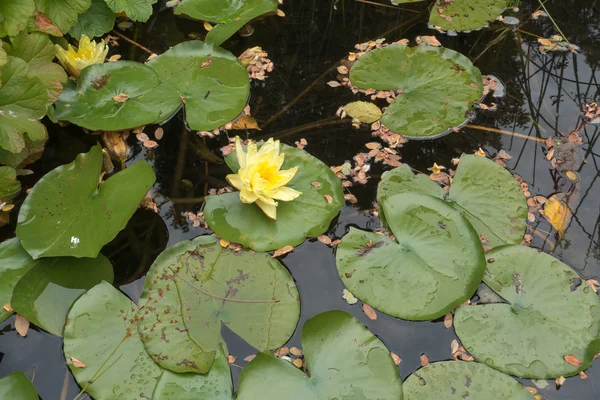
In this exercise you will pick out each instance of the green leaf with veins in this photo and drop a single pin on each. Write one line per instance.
(136, 10)
(16, 386)
(230, 15)
(466, 15)
(16, 262)
(195, 286)
(101, 332)
(344, 360)
(550, 313)
(454, 380)
(96, 21)
(10, 186)
(63, 13)
(435, 264)
(68, 214)
(14, 16)
(438, 87)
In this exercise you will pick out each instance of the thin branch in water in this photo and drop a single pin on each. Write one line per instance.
(519, 135)
(187, 200)
(132, 42)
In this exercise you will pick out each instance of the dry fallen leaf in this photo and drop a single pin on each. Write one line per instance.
(571, 359)
(245, 122)
(295, 351)
(557, 212)
(424, 360)
(448, 320)
(396, 358)
(560, 381)
(7, 307)
(282, 251)
(121, 98)
(250, 357)
(223, 242)
(351, 198)
(114, 58)
(77, 363)
(297, 362)
(21, 325)
(316, 184)
(583, 375)
(349, 297)
(324, 239)
(454, 346)
(230, 359)
(328, 198)
(369, 312)
(159, 133)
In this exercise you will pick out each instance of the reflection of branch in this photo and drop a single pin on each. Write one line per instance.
(132, 42)
(520, 135)
(219, 297)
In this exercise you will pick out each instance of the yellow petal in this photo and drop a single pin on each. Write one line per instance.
(235, 180)
(266, 200)
(270, 149)
(248, 196)
(239, 153)
(284, 194)
(269, 209)
(285, 177)
(251, 153)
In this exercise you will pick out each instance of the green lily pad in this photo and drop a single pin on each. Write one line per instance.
(16, 262)
(459, 380)
(484, 192)
(16, 386)
(230, 15)
(101, 332)
(307, 216)
(96, 21)
(30, 153)
(68, 214)
(45, 294)
(23, 100)
(550, 313)
(38, 51)
(10, 186)
(210, 81)
(136, 10)
(196, 285)
(435, 264)
(63, 13)
(14, 16)
(466, 15)
(344, 359)
(440, 86)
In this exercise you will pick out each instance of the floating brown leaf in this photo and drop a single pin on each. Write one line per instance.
(77, 363)
(121, 98)
(574, 361)
(21, 325)
(282, 251)
(396, 358)
(369, 312)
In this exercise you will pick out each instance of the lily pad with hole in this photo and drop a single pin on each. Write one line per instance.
(105, 354)
(549, 325)
(484, 192)
(18, 387)
(16, 262)
(466, 15)
(344, 360)
(451, 380)
(47, 291)
(68, 213)
(196, 286)
(438, 87)
(435, 263)
(229, 15)
(309, 215)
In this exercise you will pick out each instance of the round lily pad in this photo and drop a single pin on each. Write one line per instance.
(307, 216)
(230, 15)
(450, 380)
(438, 87)
(484, 192)
(105, 354)
(549, 325)
(344, 361)
(16, 262)
(16, 386)
(466, 15)
(435, 264)
(68, 214)
(195, 286)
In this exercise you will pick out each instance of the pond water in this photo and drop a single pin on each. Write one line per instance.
(544, 96)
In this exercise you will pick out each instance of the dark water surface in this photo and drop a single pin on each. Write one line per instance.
(544, 97)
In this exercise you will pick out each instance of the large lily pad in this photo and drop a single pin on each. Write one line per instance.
(549, 325)
(210, 81)
(63, 13)
(96, 21)
(307, 216)
(45, 294)
(16, 386)
(344, 359)
(230, 15)
(484, 192)
(14, 16)
(68, 214)
(101, 332)
(466, 15)
(450, 380)
(440, 86)
(136, 10)
(436, 263)
(195, 286)
(16, 262)
(10, 186)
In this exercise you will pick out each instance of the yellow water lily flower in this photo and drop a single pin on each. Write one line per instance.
(88, 53)
(260, 179)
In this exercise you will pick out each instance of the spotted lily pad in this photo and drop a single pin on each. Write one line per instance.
(210, 81)
(466, 15)
(309, 215)
(438, 86)
(68, 214)
(454, 380)
(549, 325)
(105, 354)
(484, 192)
(195, 286)
(344, 360)
(435, 264)
(16, 386)
(230, 15)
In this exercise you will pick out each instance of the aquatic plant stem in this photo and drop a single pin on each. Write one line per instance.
(132, 42)
(516, 134)
(553, 22)
(187, 200)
